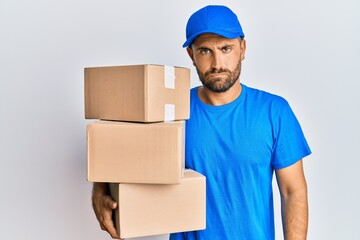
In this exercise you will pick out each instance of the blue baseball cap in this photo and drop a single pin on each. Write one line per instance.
(215, 19)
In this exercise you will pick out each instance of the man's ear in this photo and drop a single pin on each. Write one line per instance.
(243, 49)
(191, 54)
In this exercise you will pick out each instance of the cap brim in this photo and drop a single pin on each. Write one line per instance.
(225, 34)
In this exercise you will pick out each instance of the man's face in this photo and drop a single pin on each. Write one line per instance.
(217, 60)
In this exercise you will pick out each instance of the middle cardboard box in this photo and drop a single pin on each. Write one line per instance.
(124, 152)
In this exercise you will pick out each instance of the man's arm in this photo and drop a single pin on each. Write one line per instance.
(103, 206)
(294, 202)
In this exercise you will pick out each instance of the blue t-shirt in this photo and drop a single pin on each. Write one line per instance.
(237, 146)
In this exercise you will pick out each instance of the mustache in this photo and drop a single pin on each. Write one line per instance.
(217, 70)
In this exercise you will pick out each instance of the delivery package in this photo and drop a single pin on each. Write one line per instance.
(137, 93)
(154, 209)
(136, 152)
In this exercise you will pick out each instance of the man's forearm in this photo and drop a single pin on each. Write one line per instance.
(294, 209)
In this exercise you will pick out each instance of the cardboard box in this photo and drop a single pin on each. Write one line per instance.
(136, 152)
(153, 209)
(137, 93)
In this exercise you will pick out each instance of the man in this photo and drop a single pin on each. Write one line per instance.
(237, 137)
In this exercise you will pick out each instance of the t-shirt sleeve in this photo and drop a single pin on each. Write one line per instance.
(290, 144)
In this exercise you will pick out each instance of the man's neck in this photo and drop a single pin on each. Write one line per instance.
(217, 99)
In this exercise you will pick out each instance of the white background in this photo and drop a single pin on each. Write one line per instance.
(307, 51)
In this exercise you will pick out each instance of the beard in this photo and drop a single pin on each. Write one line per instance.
(219, 84)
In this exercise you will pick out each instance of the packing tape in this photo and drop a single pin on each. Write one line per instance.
(169, 76)
(169, 112)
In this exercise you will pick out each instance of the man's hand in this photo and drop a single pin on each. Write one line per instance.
(103, 206)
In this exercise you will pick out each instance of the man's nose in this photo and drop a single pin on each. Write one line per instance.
(217, 61)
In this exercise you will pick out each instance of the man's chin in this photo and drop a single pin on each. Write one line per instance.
(217, 89)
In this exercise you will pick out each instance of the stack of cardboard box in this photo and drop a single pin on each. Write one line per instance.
(138, 147)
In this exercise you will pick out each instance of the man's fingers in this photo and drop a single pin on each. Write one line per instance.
(108, 224)
(110, 230)
(102, 227)
(104, 206)
(109, 203)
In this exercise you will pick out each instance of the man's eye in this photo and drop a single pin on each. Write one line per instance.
(226, 49)
(205, 51)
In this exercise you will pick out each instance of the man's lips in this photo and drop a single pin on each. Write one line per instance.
(216, 74)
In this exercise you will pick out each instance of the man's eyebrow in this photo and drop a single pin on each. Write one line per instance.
(227, 45)
(201, 48)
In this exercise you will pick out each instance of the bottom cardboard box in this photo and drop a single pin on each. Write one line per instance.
(154, 209)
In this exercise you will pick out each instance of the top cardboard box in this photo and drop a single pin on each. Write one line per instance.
(137, 93)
